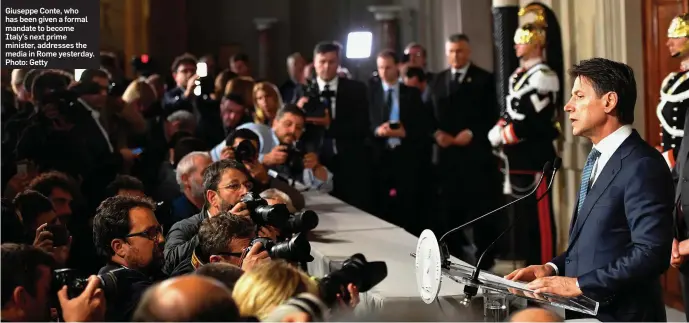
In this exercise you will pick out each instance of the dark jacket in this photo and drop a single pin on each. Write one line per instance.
(123, 298)
(181, 241)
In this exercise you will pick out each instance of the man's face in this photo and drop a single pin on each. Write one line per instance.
(236, 246)
(676, 45)
(183, 73)
(232, 186)
(326, 65)
(525, 50)
(586, 110)
(289, 128)
(231, 113)
(62, 203)
(144, 249)
(35, 307)
(195, 178)
(458, 53)
(387, 69)
(130, 192)
(295, 69)
(98, 100)
(416, 57)
(241, 68)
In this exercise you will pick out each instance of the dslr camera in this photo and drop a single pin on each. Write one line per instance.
(355, 270)
(51, 88)
(297, 249)
(278, 215)
(76, 283)
(245, 152)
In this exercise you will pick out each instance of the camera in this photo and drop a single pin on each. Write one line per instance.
(60, 234)
(263, 214)
(76, 283)
(245, 152)
(303, 221)
(297, 249)
(355, 270)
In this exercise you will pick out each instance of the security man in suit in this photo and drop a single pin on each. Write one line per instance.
(674, 91)
(525, 133)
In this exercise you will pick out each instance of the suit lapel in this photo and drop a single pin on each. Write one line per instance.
(682, 155)
(610, 171)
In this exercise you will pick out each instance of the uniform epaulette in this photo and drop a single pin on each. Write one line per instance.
(545, 80)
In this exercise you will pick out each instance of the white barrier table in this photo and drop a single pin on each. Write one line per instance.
(335, 215)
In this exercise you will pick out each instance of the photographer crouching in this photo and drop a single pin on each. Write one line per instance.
(284, 150)
(127, 234)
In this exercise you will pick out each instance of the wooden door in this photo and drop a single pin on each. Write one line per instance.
(657, 15)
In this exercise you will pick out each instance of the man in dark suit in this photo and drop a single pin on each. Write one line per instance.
(338, 114)
(621, 232)
(465, 108)
(401, 127)
(680, 245)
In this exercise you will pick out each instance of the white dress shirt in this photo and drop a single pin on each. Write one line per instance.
(607, 147)
(463, 70)
(96, 117)
(332, 87)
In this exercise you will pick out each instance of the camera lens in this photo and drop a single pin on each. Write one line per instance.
(276, 215)
(355, 270)
(297, 249)
(303, 221)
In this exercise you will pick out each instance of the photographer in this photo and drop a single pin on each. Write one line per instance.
(26, 289)
(227, 238)
(127, 234)
(225, 182)
(244, 145)
(181, 97)
(284, 152)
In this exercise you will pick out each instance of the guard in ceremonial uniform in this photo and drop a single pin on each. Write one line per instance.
(674, 91)
(525, 134)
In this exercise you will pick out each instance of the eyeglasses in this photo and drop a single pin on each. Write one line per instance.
(231, 254)
(236, 186)
(150, 233)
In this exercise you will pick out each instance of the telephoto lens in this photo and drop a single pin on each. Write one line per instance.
(355, 270)
(303, 221)
(263, 214)
(76, 283)
(297, 249)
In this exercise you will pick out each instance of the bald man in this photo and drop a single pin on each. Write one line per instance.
(535, 314)
(191, 298)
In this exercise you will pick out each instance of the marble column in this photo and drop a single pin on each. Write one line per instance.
(264, 27)
(388, 16)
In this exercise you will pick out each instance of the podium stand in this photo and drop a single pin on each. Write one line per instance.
(433, 265)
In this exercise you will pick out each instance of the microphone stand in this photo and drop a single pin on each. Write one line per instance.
(470, 291)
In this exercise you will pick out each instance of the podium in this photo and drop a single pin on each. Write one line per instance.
(433, 265)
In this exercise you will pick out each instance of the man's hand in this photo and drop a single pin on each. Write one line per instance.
(311, 161)
(443, 139)
(302, 101)
(676, 259)
(556, 285)
(275, 157)
(254, 257)
(383, 130)
(269, 232)
(353, 297)
(191, 85)
(258, 171)
(240, 209)
(531, 273)
(463, 138)
(495, 136)
(87, 307)
(43, 239)
(227, 153)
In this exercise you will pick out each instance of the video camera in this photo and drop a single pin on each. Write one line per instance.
(355, 270)
(297, 249)
(278, 215)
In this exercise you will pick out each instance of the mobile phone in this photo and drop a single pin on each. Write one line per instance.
(60, 234)
(137, 151)
(202, 69)
(394, 125)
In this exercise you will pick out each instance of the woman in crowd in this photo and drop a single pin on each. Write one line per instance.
(267, 101)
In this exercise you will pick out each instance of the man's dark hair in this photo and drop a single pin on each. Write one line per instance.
(21, 268)
(46, 182)
(240, 57)
(387, 53)
(213, 173)
(112, 221)
(12, 227)
(216, 233)
(327, 47)
(610, 76)
(292, 109)
(183, 59)
(124, 182)
(244, 133)
(226, 273)
(456, 38)
(30, 205)
(416, 72)
(187, 145)
(89, 74)
(177, 136)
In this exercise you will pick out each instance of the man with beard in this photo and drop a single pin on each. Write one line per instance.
(225, 182)
(127, 234)
(283, 149)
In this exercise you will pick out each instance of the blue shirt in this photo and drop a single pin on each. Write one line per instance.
(268, 140)
(395, 110)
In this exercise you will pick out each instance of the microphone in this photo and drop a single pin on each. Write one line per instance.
(546, 168)
(471, 292)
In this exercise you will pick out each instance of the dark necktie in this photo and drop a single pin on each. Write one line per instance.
(388, 101)
(586, 177)
(454, 85)
(457, 77)
(327, 99)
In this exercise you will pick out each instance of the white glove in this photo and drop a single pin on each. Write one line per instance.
(494, 135)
